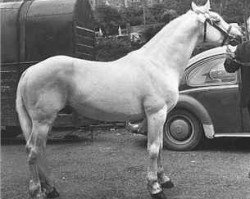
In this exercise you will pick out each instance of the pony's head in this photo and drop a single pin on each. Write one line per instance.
(214, 28)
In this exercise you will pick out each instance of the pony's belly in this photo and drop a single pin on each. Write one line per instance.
(109, 111)
(106, 95)
(105, 115)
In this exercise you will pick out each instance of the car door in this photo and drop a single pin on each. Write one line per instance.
(218, 92)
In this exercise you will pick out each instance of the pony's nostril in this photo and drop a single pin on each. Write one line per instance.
(239, 39)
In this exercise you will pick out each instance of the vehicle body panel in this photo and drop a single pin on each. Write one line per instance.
(222, 106)
(206, 80)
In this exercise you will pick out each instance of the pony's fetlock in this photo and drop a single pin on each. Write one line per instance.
(154, 187)
(35, 190)
(41, 195)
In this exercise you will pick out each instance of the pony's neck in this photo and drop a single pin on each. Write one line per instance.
(174, 44)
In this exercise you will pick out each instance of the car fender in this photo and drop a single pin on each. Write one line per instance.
(195, 107)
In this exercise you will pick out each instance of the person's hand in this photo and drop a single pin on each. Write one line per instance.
(230, 54)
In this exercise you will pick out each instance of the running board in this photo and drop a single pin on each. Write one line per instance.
(241, 135)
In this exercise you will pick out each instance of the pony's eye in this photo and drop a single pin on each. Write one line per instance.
(216, 20)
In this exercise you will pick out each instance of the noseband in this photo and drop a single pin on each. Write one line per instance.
(226, 33)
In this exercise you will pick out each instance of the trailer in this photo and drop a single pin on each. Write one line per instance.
(33, 30)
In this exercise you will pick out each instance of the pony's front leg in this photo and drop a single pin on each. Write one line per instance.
(46, 184)
(155, 120)
(163, 179)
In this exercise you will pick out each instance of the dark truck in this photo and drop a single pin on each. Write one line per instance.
(32, 31)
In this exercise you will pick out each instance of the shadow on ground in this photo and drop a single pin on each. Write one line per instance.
(227, 144)
(217, 144)
(60, 137)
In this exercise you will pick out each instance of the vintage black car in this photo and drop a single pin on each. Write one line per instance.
(32, 31)
(209, 104)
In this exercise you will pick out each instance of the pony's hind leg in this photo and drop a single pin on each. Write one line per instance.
(36, 148)
(155, 121)
(47, 185)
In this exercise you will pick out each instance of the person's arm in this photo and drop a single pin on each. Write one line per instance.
(242, 52)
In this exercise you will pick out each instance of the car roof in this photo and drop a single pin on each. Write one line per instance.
(209, 53)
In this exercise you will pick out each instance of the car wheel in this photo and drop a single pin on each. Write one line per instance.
(182, 131)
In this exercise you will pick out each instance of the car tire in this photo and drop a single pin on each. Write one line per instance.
(182, 131)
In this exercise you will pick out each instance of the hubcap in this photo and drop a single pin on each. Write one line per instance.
(180, 129)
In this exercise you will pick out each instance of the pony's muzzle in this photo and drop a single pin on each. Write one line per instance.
(233, 41)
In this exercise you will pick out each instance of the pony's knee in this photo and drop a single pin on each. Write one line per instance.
(154, 150)
(32, 154)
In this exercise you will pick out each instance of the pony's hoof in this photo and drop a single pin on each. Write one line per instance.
(159, 195)
(39, 196)
(53, 193)
(167, 185)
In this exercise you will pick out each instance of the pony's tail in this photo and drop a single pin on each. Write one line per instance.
(23, 116)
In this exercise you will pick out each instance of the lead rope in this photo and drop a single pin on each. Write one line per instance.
(227, 35)
(205, 31)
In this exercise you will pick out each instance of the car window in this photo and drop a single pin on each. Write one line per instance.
(210, 72)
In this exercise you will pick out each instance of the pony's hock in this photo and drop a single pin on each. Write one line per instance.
(143, 84)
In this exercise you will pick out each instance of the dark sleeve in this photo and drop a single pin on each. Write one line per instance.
(231, 66)
(242, 52)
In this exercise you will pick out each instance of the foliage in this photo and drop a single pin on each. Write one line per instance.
(109, 49)
(132, 15)
(234, 12)
(168, 15)
(149, 32)
(108, 18)
(155, 12)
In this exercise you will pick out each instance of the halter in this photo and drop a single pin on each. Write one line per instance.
(226, 33)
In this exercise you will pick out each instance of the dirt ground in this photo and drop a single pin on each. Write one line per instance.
(114, 166)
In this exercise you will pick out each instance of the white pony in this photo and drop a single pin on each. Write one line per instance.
(143, 84)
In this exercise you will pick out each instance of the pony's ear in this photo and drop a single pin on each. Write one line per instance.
(207, 6)
(194, 7)
(202, 9)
